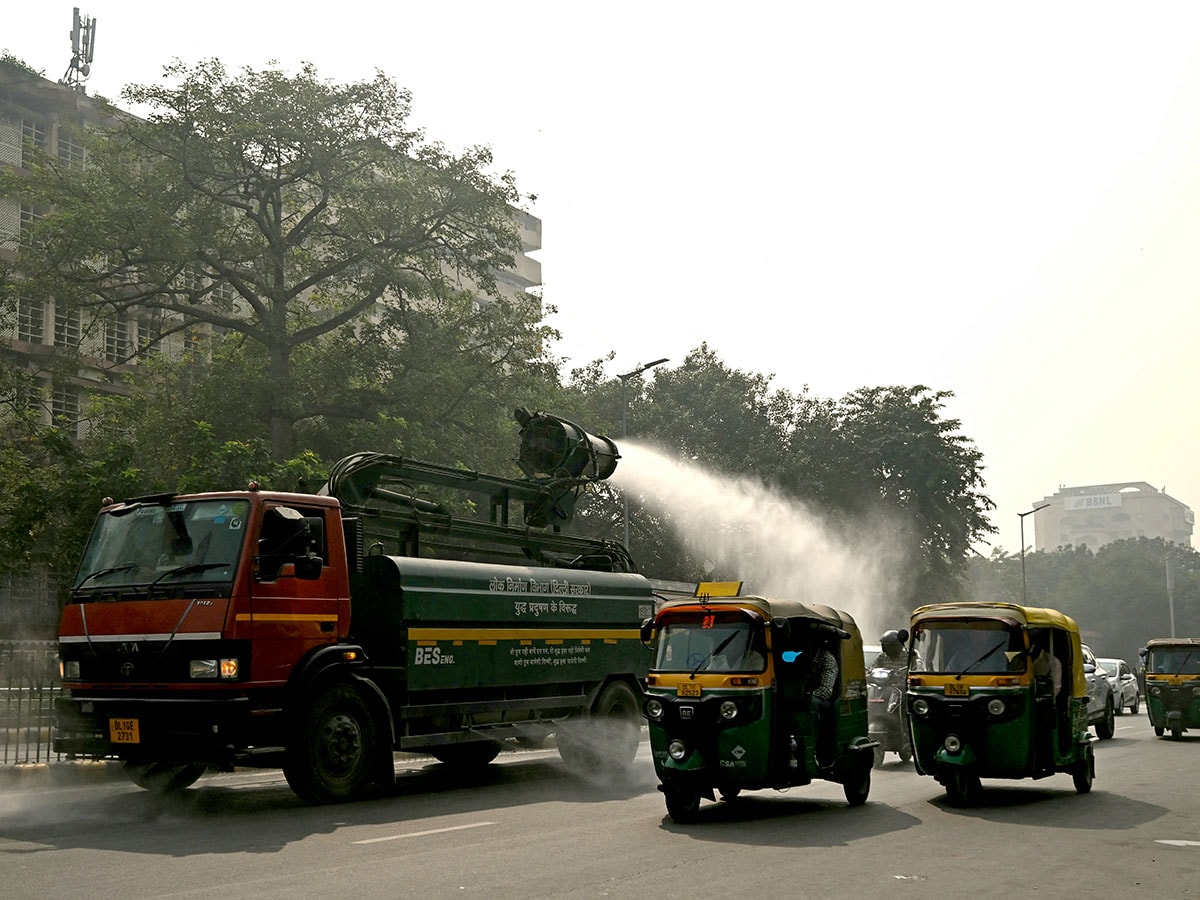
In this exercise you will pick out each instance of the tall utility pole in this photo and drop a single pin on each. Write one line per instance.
(1022, 516)
(625, 433)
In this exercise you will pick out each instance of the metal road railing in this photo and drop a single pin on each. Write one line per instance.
(29, 682)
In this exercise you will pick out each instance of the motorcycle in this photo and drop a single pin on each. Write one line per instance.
(887, 719)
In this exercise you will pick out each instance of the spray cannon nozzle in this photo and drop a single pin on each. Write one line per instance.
(555, 449)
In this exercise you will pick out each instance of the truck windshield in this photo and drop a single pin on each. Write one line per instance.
(133, 549)
(989, 647)
(710, 646)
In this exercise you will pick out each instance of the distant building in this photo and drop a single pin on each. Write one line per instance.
(1097, 514)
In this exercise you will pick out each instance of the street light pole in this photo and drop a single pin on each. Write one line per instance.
(625, 433)
(1022, 516)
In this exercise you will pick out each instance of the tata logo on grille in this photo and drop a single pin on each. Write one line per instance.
(127, 670)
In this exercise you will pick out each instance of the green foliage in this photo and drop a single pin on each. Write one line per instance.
(300, 216)
(1118, 594)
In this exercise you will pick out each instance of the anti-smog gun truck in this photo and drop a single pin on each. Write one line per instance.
(323, 632)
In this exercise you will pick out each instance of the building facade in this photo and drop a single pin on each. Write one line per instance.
(1098, 514)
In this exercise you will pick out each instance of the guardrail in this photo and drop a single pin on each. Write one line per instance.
(29, 682)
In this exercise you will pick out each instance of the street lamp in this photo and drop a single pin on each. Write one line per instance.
(1022, 516)
(625, 433)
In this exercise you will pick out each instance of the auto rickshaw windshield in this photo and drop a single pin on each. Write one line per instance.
(1174, 661)
(953, 647)
(708, 645)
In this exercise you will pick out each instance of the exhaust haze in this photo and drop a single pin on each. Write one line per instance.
(777, 546)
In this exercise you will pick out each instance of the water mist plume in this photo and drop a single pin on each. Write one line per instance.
(773, 543)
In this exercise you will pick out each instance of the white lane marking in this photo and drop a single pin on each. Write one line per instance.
(1180, 843)
(412, 834)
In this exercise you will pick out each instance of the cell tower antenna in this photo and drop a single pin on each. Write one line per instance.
(83, 48)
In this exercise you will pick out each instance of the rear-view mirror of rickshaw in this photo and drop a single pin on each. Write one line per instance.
(647, 633)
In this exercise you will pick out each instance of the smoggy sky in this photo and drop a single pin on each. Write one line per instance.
(1001, 200)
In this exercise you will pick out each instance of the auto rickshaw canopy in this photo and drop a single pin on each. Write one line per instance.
(1024, 617)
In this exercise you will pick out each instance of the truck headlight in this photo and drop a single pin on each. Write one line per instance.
(212, 668)
(69, 669)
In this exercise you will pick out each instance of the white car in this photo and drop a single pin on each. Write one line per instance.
(1101, 706)
(1124, 684)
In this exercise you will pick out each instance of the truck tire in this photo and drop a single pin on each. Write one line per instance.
(330, 759)
(162, 778)
(474, 755)
(608, 741)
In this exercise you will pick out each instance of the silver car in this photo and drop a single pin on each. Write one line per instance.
(1101, 703)
(1124, 684)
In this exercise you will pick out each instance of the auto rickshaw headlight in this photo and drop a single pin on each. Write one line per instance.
(1155, 691)
(952, 743)
(654, 708)
(1196, 692)
(728, 709)
(995, 706)
(677, 750)
(920, 706)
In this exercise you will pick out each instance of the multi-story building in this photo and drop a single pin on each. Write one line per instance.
(38, 113)
(1097, 514)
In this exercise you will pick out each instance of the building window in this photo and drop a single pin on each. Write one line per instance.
(67, 329)
(28, 219)
(31, 324)
(70, 153)
(64, 408)
(33, 134)
(116, 340)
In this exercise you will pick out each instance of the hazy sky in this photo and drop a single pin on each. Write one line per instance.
(998, 200)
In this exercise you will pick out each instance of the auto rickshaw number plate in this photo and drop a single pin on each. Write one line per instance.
(955, 689)
(123, 731)
(688, 689)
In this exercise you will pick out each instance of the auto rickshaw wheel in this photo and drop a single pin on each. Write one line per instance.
(1158, 731)
(879, 753)
(683, 802)
(857, 785)
(1084, 773)
(962, 787)
(729, 794)
(1177, 734)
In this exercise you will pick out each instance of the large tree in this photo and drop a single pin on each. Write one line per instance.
(294, 214)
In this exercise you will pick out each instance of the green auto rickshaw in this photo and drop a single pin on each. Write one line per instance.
(729, 698)
(1172, 684)
(997, 690)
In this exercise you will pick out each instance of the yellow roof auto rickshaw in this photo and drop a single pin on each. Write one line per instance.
(997, 690)
(1172, 684)
(729, 698)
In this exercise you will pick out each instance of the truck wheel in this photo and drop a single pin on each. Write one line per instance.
(608, 741)
(474, 755)
(1106, 727)
(683, 802)
(330, 758)
(857, 785)
(161, 778)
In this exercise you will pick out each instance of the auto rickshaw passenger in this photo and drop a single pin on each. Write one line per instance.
(822, 681)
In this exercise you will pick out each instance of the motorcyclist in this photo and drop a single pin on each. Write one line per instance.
(892, 655)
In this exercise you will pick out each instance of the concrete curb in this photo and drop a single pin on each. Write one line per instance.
(59, 772)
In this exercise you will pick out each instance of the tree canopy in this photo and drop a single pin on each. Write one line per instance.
(305, 219)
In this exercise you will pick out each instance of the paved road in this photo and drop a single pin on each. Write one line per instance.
(527, 828)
